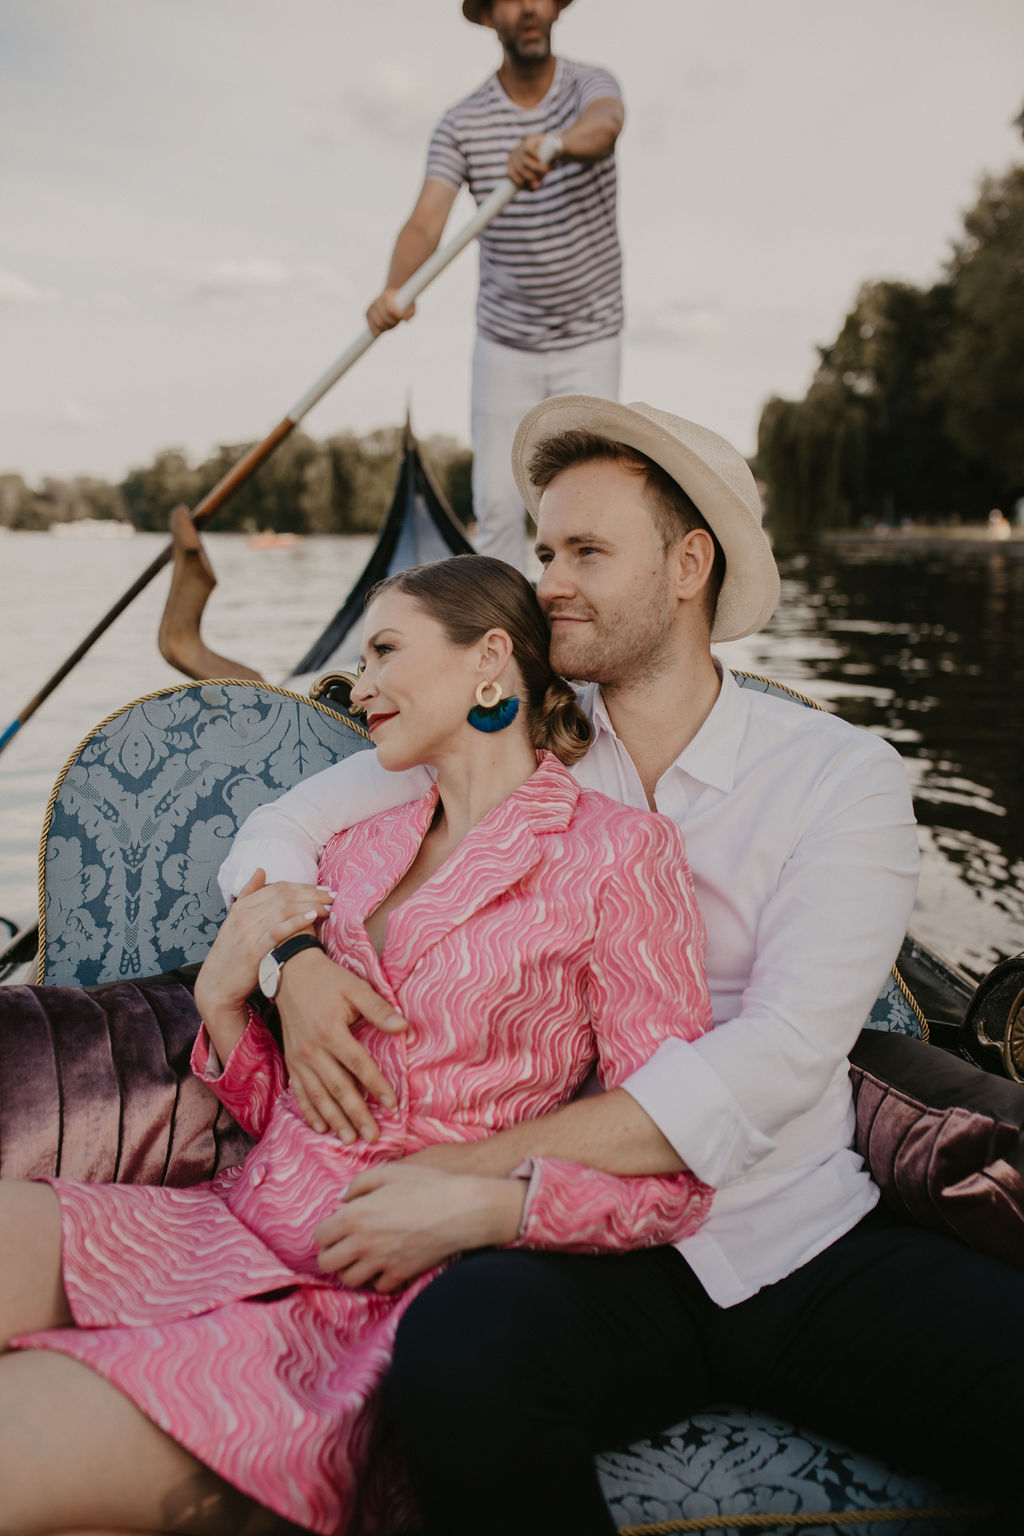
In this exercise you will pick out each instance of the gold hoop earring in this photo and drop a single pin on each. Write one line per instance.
(493, 690)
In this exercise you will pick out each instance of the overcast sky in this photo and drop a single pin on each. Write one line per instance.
(198, 198)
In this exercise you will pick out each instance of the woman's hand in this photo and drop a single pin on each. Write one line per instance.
(400, 1219)
(262, 917)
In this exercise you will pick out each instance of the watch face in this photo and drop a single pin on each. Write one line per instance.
(269, 975)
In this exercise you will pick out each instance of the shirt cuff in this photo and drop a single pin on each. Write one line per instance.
(695, 1112)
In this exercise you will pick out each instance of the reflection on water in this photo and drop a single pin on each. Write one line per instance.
(926, 648)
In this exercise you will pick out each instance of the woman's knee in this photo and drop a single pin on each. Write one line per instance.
(32, 1292)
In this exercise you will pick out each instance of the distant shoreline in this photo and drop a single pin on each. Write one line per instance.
(965, 538)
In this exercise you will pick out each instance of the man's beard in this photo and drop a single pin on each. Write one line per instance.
(537, 52)
(621, 651)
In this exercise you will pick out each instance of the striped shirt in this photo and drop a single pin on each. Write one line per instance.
(550, 263)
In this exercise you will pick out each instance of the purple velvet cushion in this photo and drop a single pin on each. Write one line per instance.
(943, 1141)
(97, 1086)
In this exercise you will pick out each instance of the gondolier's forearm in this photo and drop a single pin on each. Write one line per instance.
(593, 134)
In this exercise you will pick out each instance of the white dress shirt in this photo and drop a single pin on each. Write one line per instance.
(800, 836)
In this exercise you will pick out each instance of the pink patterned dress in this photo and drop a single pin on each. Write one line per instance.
(562, 932)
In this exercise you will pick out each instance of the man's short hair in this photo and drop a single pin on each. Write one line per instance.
(672, 510)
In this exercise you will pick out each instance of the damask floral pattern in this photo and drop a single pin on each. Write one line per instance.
(145, 814)
(737, 1462)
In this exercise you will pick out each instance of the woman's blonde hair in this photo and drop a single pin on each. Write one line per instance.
(470, 594)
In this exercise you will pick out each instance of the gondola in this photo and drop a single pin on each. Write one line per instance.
(105, 1092)
(87, 1101)
(419, 527)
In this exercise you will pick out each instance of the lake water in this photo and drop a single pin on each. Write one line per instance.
(925, 648)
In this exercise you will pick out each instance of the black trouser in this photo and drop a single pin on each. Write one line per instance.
(513, 1369)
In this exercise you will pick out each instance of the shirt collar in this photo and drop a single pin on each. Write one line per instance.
(711, 756)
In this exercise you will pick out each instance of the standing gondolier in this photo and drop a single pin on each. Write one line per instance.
(549, 311)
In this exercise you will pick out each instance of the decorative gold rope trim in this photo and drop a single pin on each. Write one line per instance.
(146, 698)
(802, 697)
(757, 678)
(804, 1517)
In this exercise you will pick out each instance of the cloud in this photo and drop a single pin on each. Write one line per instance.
(674, 325)
(114, 303)
(706, 88)
(72, 416)
(395, 101)
(246, 278)
(16, 290)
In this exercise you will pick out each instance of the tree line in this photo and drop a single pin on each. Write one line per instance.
(340, 485)
(916, 409)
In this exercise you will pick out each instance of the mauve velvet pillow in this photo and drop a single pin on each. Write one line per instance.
(96, 1085)
(943, 1141)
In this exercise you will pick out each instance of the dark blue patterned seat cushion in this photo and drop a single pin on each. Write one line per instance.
(732, 1461)
(144, 815)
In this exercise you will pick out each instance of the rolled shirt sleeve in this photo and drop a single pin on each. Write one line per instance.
(825, 942)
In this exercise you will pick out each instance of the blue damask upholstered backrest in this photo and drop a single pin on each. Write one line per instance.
(895, 1009)
(143, 815)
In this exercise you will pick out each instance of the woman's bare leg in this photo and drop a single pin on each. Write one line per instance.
(77, 1455)
(31, 1288)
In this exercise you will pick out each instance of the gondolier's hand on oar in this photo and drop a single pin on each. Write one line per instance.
(330, 1072)
(525, 166)
(384, 314)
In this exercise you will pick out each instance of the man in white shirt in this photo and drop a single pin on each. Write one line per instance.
(797, 1295)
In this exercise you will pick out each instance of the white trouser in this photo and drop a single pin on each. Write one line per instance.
(507, 381)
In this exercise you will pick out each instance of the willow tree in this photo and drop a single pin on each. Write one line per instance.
(980, 372)
(916, 409)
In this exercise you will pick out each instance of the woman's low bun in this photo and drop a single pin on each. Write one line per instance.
(558, 724)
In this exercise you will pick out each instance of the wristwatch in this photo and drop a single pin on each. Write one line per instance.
(270, 965)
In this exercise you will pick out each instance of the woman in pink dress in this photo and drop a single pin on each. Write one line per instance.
(179, 1360)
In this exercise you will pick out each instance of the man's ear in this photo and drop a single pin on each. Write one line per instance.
(694, 559)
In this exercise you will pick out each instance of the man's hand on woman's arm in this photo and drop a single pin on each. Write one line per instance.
(398, 1220)
(330, 1072)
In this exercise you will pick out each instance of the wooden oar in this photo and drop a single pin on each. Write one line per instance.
(503, 194)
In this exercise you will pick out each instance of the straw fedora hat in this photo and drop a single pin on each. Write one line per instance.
(712, 473)
(471, 9)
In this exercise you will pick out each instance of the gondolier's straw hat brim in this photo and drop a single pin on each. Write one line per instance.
(471, 9)
(712, 473)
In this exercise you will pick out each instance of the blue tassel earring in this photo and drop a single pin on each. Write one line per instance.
(491, 712)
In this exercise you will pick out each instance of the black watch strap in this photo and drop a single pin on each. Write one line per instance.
(294, 945)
